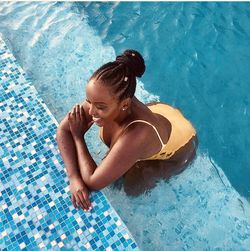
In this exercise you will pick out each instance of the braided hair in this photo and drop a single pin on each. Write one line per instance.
(121, 74)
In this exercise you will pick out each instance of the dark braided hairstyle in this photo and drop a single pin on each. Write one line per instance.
(121, 74)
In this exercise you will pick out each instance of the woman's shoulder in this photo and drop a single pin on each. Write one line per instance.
(138, 127)
(152, 119)
(140, 134)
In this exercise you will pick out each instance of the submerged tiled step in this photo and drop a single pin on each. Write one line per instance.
(36, 212)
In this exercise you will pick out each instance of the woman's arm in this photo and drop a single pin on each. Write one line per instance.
(67, 148)
(68, 152)
(119, 160)
(86, 163)
(66, 143)
(123, 155)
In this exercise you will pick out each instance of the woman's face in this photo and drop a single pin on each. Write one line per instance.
(103, 106)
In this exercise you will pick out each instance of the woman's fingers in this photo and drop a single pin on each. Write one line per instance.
(70, 117)
(77, 110)
(82, 112)
(78, 201)
(86, 197)
(82, 201)
(74, 201)
(71, 114)
(74, 112)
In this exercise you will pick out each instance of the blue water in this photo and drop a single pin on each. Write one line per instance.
(197, 57)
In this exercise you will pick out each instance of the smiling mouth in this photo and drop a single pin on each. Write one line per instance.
(96, 119)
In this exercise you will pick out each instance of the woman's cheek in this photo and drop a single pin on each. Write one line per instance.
(108, 113)
(104, 114)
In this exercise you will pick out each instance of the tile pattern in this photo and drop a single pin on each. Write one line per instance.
(36, 212)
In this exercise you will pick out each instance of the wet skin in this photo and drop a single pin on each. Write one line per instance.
(103, 108)
(144, 175)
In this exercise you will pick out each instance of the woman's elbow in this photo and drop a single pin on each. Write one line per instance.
(63, 127)
(61, 131)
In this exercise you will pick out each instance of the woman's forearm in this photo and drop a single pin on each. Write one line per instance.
(86, 163)
(67, 150)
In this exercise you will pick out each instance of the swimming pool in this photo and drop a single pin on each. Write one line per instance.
(197, 58)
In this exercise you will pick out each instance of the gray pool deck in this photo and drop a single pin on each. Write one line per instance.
(36, 212)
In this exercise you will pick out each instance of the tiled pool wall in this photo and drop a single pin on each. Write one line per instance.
(36, 212)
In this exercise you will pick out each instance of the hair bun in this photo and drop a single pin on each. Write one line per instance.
(133, 60)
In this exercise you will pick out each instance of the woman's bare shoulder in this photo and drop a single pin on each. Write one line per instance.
(145, 137)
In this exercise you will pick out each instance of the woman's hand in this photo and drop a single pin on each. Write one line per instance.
(79, 193)
(77, 121)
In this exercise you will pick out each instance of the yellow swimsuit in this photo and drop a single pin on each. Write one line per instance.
(182, 131)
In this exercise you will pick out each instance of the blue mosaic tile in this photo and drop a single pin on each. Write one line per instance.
(36, 212)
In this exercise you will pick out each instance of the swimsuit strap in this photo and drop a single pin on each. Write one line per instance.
(143, 121)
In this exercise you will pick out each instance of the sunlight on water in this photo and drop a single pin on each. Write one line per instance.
(62, 53)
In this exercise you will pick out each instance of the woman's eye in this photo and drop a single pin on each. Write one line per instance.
(101, 108)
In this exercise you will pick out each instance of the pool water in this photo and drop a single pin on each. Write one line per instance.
(197, 58)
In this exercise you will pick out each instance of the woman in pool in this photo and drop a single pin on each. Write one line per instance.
(146, 141)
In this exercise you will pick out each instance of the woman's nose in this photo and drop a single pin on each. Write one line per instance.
(92, 110)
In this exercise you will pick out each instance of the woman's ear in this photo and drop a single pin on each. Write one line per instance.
(126, 104)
